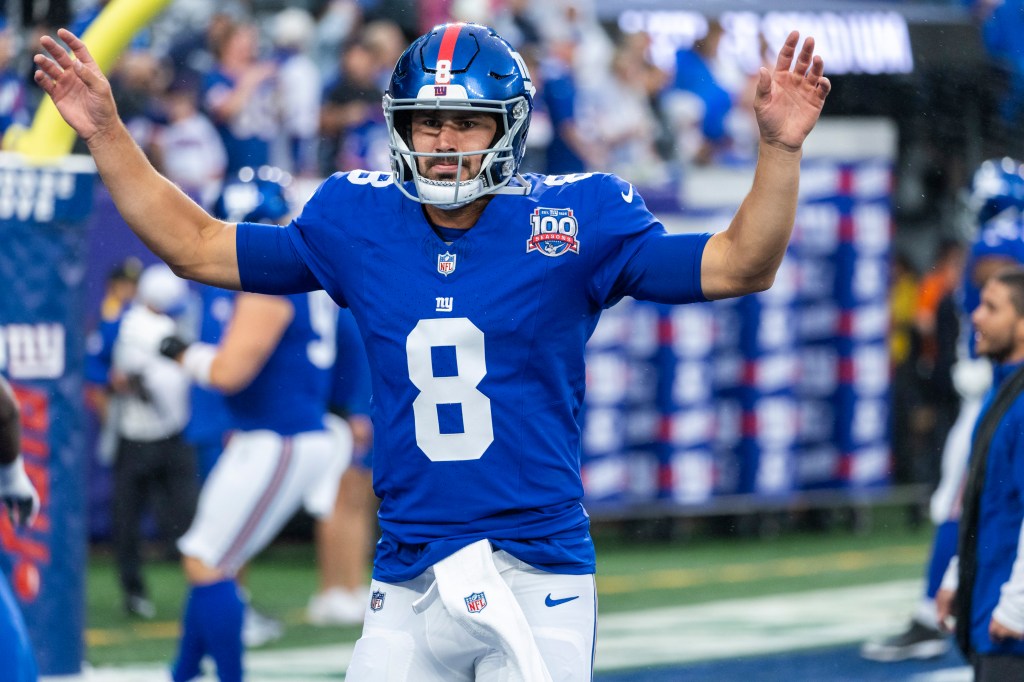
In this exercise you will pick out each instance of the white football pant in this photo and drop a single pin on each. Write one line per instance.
(255, 488)
(410, 635)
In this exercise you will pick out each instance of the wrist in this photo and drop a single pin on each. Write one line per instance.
(197, 361)
(779, 150)
(110, 135)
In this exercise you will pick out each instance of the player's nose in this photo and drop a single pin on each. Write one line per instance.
(447, 138)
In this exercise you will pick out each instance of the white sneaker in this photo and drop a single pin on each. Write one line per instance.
(258, 629)
(336, 606)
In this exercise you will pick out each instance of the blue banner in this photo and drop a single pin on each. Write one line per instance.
(42, 268)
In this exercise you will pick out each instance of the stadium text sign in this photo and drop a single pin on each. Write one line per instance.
(849, 42)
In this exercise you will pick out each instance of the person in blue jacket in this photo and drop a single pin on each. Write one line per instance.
(988, 571)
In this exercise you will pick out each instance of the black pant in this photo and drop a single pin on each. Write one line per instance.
(163, 474)
(998, 668)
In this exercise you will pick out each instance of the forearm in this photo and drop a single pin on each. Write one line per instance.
(763, 225)
(173, 226)
(10, 426)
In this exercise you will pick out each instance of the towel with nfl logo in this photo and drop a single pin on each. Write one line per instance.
(474, 595)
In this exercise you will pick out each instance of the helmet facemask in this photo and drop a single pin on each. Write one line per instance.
(498, 165)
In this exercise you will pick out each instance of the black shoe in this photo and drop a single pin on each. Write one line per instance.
(917, 641)
(140, 607)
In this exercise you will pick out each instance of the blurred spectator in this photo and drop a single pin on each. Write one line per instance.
(137, 81)
(335, 22)
(121, 285)
(14, 105)
(351, 118)
(903, 347)
(154, 465)
(514, 22)
(188, 149)
(934, 411)
(386, 42)
(576, 21)
(191, 52)
(653, 81)
(299, 89)
(708, 104)
(1003, 32)
(624, 124)
(939, 281)
(570, 151)
(541, 129)
(239, 97)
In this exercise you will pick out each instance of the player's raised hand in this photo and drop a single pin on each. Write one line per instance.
(789, 98)
(76, 85)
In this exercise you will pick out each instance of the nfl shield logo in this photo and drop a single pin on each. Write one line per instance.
(376, 601)
(446, 263)
(476, 602)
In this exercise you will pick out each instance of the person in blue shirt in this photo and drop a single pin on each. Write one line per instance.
(475, 290)
(984, 585)
(19, 500)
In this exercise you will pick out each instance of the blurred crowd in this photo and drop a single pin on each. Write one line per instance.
(211, 87)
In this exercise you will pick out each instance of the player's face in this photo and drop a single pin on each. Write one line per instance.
(998, 328)
(440, 132)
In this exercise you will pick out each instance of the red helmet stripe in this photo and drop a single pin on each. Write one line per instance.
(451, 35)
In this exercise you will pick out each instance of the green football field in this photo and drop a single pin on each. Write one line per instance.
(639, 567)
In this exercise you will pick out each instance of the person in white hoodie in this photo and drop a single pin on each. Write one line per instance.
(154, 466)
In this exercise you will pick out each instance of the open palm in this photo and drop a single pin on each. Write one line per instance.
(788, 102)
(77, 86)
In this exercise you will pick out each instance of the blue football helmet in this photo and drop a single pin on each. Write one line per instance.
(461, 67)
(997, 185)
(255, 195)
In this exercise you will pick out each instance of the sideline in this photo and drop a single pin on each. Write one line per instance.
(650, 637)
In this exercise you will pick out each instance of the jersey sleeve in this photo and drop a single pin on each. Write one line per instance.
(269, 263)
(304, 256)
(636, 257)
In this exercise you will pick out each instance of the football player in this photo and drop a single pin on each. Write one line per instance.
(475, 289)
(19, 500)
(345, 538)
(272, 366)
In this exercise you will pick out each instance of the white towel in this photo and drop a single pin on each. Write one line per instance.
(477, 598)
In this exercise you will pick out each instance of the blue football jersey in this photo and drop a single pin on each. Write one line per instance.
(210, 417)
(476, 348)
(289, 395)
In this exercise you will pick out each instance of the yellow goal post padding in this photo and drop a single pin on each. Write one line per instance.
(50, 137)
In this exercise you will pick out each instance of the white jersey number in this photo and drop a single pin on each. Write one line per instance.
(460, 389)
(323, 318)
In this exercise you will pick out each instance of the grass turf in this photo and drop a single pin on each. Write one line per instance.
(635, 571)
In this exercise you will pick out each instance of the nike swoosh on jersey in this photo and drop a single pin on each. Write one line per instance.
(548, 601)
(628, 196)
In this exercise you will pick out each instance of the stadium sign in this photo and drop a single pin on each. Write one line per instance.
(849, 42)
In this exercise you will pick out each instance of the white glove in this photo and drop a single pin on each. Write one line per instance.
(139, 337)
(972, 378)
(18, 494)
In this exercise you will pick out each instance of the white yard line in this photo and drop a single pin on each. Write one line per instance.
(679, 634)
